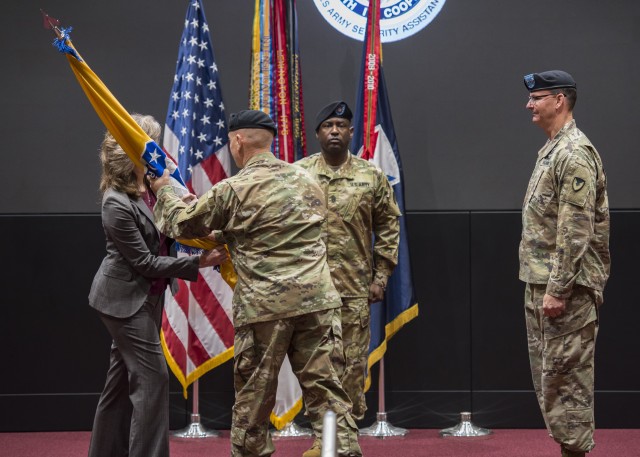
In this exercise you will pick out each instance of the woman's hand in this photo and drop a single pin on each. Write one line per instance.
(215, 256)
(158, 182)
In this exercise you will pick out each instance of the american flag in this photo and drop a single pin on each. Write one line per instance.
(197, 330)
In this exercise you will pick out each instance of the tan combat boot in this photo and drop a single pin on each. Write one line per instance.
(315, 450)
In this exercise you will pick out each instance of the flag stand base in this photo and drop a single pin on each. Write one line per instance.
(382, 429)
(195, 430)
(465, 428)
(292, 430)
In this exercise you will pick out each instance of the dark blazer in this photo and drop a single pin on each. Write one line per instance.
(124, 278)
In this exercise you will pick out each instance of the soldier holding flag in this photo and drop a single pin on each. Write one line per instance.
(271, 214)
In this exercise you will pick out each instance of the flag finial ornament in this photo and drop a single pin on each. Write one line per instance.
(62, 42)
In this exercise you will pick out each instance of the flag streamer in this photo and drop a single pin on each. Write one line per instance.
(276, 75)
(374, 139)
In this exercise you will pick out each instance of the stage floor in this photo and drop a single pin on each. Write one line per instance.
(418, 443)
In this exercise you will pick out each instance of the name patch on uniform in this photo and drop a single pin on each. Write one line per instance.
(578, 184)
(359, 184)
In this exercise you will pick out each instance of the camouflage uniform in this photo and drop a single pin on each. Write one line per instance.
(271, 215)
(361, 204)
(564, 252)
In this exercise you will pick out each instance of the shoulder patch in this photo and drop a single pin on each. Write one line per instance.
(576, 187)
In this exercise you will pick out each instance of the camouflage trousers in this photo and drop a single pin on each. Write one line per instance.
(350, 357)
(260, 348)
(355, 344)
(561, 354)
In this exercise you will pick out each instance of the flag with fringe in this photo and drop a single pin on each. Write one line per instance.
(138, 146)
(276, 76)
(197, 327)
(276, 89)
(374, 139)
(135, 142)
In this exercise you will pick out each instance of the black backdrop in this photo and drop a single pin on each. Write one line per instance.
(468, 148)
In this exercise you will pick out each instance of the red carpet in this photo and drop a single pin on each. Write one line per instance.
(418, 443)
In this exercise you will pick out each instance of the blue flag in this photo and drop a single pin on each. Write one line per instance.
(399, 305)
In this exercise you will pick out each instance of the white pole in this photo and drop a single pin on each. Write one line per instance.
(329, 434)
(195, 428)
(381, 428)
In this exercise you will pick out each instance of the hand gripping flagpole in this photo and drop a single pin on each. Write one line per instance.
(195, 429)
(381, 428)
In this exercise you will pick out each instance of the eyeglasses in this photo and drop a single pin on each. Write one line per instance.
(536, 98)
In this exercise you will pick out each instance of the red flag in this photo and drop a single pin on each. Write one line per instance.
(370, 82)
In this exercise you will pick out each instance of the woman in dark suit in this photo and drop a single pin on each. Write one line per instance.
(132, 418)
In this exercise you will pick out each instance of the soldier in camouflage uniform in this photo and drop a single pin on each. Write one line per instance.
(564, 259)
(271, 216)
(361, 205)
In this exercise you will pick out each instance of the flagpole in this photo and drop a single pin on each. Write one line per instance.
(466, 428)
(195, 429)
(381, 428)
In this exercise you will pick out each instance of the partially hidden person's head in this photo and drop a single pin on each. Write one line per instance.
(250, 132)
(118, 171)
(550, 93)
(333, 128)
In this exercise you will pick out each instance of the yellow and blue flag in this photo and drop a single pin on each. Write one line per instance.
(135, 142)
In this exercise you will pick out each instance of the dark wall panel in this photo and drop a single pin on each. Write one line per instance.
(500, 357)
(465, 351)
(617, 350)
(60, 343)
(440, 267)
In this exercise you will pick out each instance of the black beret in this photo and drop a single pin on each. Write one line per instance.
(335, 109)
(553, 79)
(251, 119)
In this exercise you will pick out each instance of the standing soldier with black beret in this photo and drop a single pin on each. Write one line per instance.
(271, 215)
(363, 232)
(564, 259)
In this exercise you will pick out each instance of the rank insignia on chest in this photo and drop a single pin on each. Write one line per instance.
(578, 184)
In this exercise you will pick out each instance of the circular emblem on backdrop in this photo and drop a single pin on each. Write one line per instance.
(399, 19)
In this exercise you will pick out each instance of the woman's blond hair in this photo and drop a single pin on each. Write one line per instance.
(118, 171)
